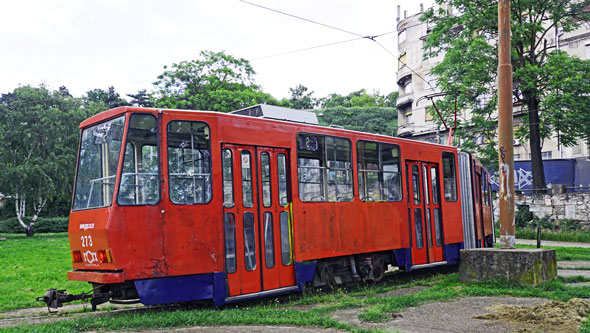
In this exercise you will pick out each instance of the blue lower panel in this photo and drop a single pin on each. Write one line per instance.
(452, 253)
(403, 258)
(304, 272)
(181, 288)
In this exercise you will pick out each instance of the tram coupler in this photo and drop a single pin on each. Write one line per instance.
(56, 298)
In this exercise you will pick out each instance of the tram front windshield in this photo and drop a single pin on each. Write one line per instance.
(100, 150)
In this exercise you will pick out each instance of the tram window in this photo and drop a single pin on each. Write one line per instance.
(100, 148)
(324, 168)
(434, 182)
(265, 179)
(230, 242)
(449, 176)
(249, 241)
(428, 226)
(139, 183)
(416, 184)
(247, 193)
(437, 227)
(379, 176)
(269, 245)
(418, 227)
(282, 173)
(189, 162)
(228, 178)
(285, 239)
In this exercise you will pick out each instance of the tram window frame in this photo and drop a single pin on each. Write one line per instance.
(449, 177)
(265, 179)
(207, 161)
(322, 155)
(115, 132)
(282, 178)
(136, 164)
(225, 180)
(378, 167)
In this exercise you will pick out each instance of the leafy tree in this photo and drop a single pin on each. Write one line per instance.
(97, 100)
(301, 98)
(378, 120)
(38, 136)
(217, 81)
(141, 98)
(468, 39)
(358, 98)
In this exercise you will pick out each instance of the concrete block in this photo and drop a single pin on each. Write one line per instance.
(523, 266)
(570, 211)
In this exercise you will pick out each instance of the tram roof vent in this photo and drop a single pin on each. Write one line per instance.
(279, 113)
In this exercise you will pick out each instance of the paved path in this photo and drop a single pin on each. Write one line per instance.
(552, 243)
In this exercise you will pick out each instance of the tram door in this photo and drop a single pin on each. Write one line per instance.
(477, 197)
(257, 225)
(424, 212)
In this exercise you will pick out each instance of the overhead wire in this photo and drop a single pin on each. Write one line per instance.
(369, 37)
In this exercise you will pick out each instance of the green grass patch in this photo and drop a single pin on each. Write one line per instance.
(31, 265)
(577, 236)
(564, 253)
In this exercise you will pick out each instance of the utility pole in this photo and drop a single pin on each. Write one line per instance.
(505, 131)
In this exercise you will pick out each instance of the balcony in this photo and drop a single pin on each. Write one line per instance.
(405, 130)
(405, 99)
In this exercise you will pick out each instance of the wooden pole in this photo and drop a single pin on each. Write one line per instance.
(505, 131)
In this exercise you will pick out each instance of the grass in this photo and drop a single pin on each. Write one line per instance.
(577, 236)
(31, 265)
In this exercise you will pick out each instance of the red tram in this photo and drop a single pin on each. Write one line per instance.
(174, 205)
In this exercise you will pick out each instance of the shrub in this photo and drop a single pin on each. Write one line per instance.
(43, 225)
(523, 216)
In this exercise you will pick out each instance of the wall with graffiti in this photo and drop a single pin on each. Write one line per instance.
(574, 173)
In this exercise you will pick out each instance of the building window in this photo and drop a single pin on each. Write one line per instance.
(431, 81)
(401, 61)
(516, 157)
(401, 37)
(546, 155)
(409, 119)
(588, 52)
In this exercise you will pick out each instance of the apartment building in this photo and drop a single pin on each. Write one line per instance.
(415, 82)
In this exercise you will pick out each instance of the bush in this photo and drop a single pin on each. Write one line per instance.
(523, 216)
(43, 225)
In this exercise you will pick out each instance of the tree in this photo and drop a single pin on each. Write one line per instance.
(38, 136)
(468, 39)
(358, 98)
(217, 82)
(141, 98)
(103, 99)
(300, 98)
(378, 120)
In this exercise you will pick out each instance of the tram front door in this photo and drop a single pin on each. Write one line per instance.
(257, 219)
(424, 212)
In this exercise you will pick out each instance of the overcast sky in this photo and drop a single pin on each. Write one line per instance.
(125, 43)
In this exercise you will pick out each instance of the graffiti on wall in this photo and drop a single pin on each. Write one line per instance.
(522, 178)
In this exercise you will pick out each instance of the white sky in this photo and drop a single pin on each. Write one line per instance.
(125, 43)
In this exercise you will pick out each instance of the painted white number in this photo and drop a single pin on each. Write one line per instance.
(86, 241)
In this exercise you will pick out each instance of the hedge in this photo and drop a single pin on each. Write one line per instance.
(43, 225)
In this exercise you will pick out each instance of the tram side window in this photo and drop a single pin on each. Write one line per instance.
(449, 177)
(379, 172)
(324, 165)
(139, 183)
(189, 162)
